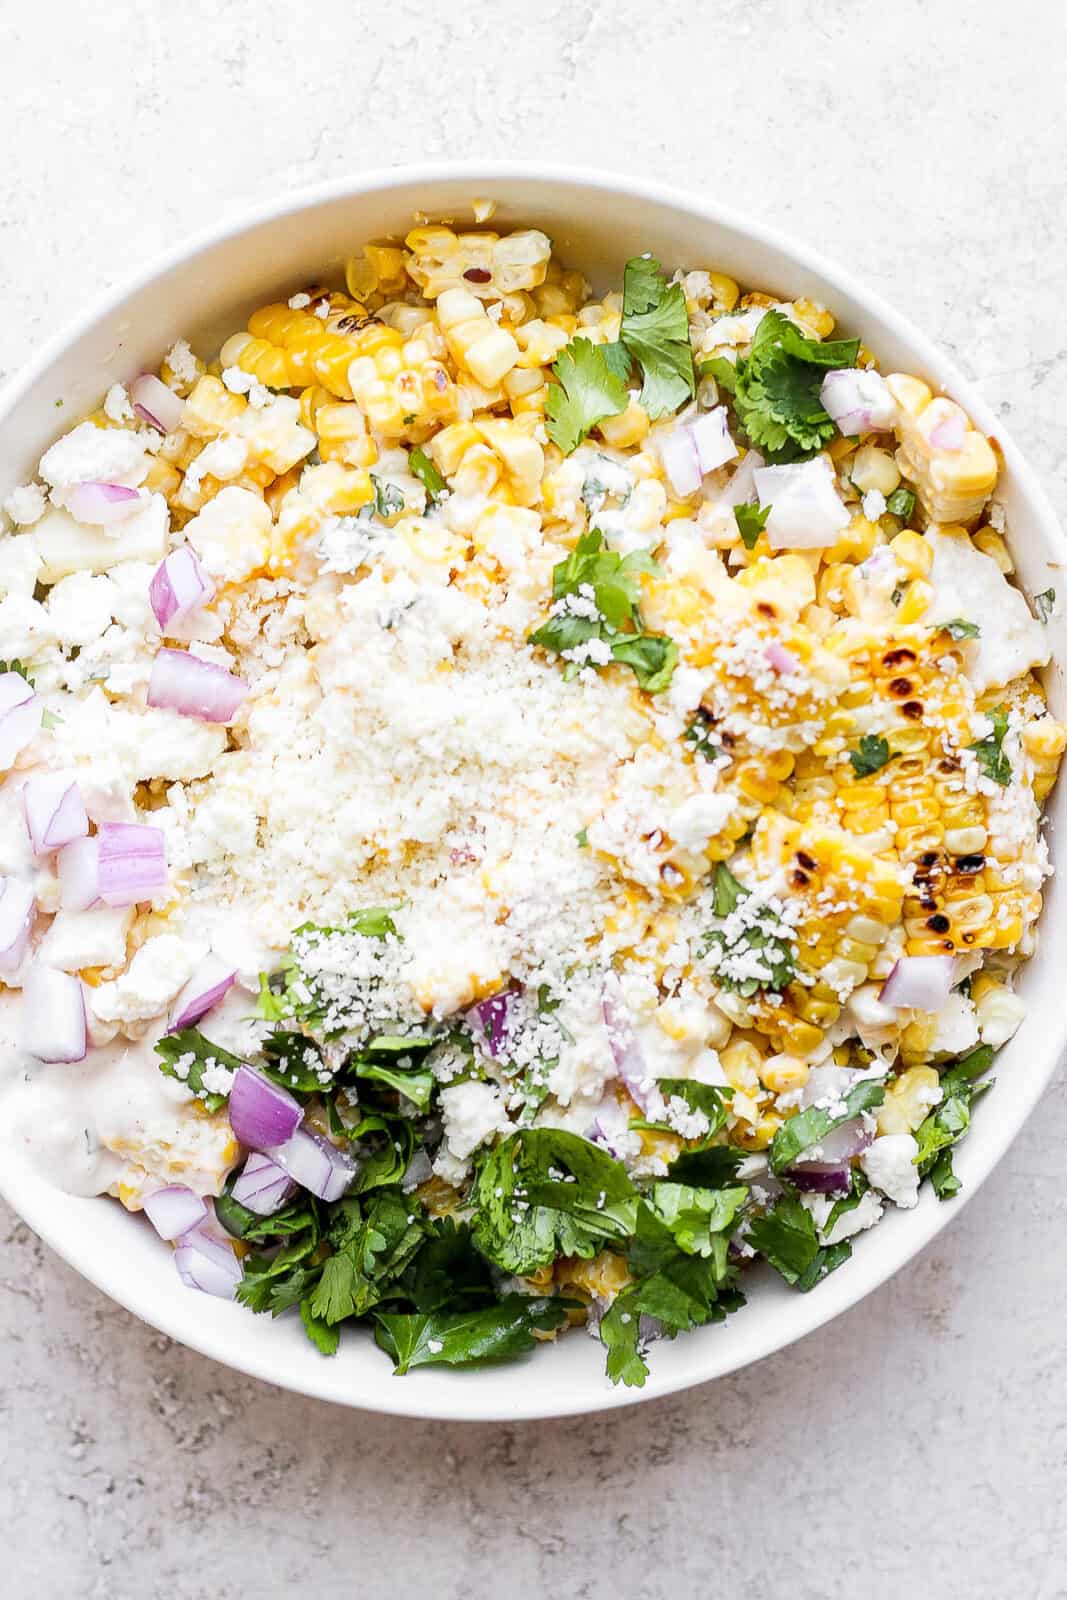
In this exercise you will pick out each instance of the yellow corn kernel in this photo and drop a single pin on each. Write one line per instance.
(626, 429)
(741, 1062)
(990, 543)
(915, 602)
(908, 1100)
(912, 553)
(874, 468)
(211, 409)
(523, 457)
(953, 479)
(783, 1074)
(815, 318)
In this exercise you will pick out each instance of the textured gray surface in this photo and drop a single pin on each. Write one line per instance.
(918, 1444)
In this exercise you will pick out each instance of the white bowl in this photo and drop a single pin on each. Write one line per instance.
(203, 291)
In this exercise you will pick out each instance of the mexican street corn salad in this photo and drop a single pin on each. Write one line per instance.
(517, 803)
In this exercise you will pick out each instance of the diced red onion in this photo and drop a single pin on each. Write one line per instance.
(711, 436)
(78, 871)
(681, 462)
(629, 1058)
(807, 513)
(859, 401)
(131, 862)
(20, 716)
(493, 1020)
(920, 982)
(205, 1263)
(158, 405)
(182, 682)
(211, 980)
(174, 1210)
(17, 907)
(101, 504)
(53, 1015)
(820, 1177)
(781, 659)
(262, 1114)
(315, 1164)
(741, 488)
(179, 585)
(262, 1186)
(54, 810)
(949, 433)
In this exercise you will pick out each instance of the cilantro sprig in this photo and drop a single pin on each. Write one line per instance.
(605, 591)
(655, 332)
(775, 388)
(588, 389)
(990, 750)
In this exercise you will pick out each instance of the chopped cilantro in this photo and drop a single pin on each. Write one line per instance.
(990, 752)
(776, 388)
(960, 628)
(1045, 603)
(898, 593)
(951, 1119)
(803, 1130)
(497, 1332)
(872, 755)
(706, 1098)
(787, 1238)
(372, 1239)
(901, 503)
(582, 837)
(174, 1051)
(748, 953)
(655, 331)
(428, 475)
(699, 734)
(751, 521)
(588, 390)
(857, 1188)
(15, 665)
(388, 499)
(603, 588)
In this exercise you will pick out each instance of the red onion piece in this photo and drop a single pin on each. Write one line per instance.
(493, 1020)
(131, 862)
(53, 1015)
(781, 659)
(211, 980)
(101, 504)
(629, 1058)
(54, 810)
(17, 907)
(949, 434)
(315, 1164)
(20, 716)
(711, 437)
(182, 682)
(78, 871)
(681, 462)
(205, 1263)
(848, 1139)
(262, 1114)
(174, 1210)
(921, 982)
(179, 585)
(262, 1186)
(858, 400)
(820, 1177)
(158, 405)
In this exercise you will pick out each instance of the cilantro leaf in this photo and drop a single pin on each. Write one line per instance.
(428, 475)
(388, 499)
(324, 1335)
(872, 755)
(728, 891)
(589, 389)
(174, 1051)
(804, 1129)
(901, 503)
(1045, 603)
(655, 331)
(777, 388)
(991, 758)
(787, 1238)
(448, 1274)
(17, 666)
(699, 734)
(467, 1338)
(857, 1188)
(728, 949)
(398, 1062)
(651, 656)
(960, 628)
(708, 1099)
(751, 521)
(948, 1122)
(373, 1238)
(296, 1062)
(543, 1192)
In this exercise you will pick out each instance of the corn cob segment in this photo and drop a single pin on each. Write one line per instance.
(951, 464)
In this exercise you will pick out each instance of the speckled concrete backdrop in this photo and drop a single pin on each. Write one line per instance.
(919, 1444)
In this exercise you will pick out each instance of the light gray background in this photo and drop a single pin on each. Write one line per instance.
(917, 1446)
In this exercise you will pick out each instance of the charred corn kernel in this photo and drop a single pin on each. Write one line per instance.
(628, 428)
(951, 465)
(874, 468)
(782, 1074)
(991, 544)
(484, 264)
(908, 1100)
(912, 553)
